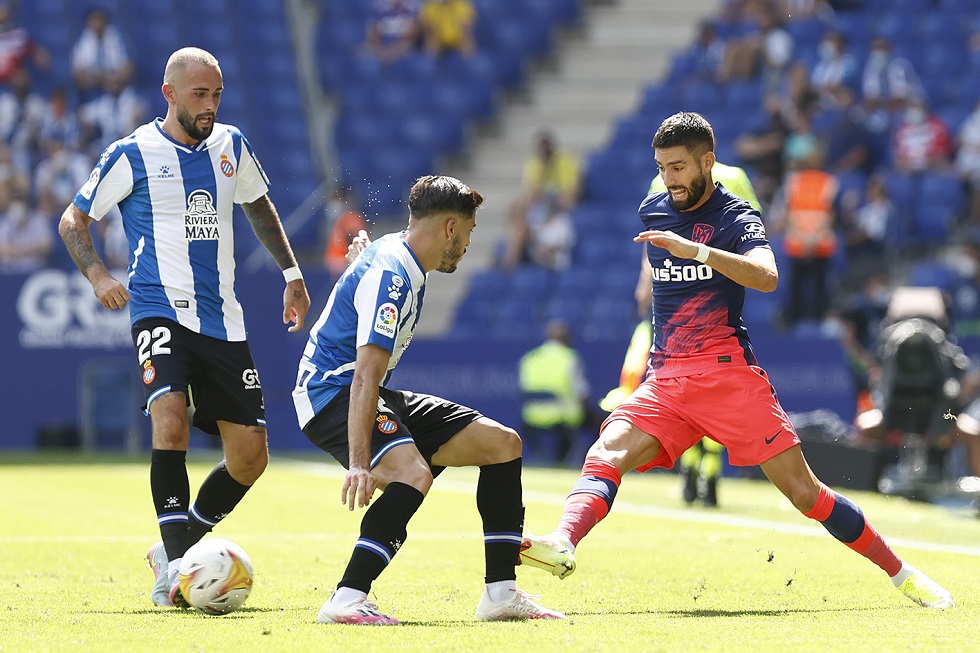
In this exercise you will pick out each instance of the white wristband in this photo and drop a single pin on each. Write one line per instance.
(702, 254)
(292, 274)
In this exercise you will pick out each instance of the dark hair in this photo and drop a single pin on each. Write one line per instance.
(434, 194)
(687, 129)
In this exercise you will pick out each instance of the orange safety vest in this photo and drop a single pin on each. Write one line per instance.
(344, 229)
(810, 214)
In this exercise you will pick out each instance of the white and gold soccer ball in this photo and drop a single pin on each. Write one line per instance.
(216, 576)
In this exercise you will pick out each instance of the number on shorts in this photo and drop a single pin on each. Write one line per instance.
(156, 341)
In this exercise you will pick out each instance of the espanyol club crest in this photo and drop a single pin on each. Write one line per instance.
(387, 426)
(149, 372)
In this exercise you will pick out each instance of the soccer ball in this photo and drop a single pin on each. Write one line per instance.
(216, 576)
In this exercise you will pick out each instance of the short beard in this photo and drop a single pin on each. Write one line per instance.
(186, 121)
(451, 256)
(694, 193)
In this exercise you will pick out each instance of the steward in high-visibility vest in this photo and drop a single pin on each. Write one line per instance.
(554, 390)
(810, 197)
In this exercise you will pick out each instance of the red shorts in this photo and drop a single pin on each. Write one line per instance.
(734, 406)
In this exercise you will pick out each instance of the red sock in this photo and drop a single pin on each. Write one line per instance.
(590, 500)
(847, 523)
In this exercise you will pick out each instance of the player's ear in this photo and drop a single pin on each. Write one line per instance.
(708, 160)
(451, 228)
(168, 93)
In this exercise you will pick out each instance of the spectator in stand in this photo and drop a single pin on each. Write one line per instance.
(21, 114)
(447, 26)
(708, 52)
(551, 191)
(968, 161)
(865, 226)
(888, 82)
(17, 46)
(59, 176)
(764, 53)
(851, 146)
(14, 180)
(763, 151)
(392, 30)
(807, 214)
(116, 113)
(26, 238)
(60, 127)
(835, 74)
(921, 140)
(342, 224)
(99, 57)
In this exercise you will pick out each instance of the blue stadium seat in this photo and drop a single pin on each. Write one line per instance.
(440, 132)
(931, 273)
(463, 99)
(532, 281)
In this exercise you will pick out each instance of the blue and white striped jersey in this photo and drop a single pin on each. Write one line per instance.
(377, 301)
(177, 203)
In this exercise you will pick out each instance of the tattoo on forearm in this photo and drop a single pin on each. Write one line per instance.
(265, 222)
(80, 247)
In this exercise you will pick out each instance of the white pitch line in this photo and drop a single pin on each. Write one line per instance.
(460, 487)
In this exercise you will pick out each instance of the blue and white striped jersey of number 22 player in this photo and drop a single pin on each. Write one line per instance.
(377, 301)
(177, 205)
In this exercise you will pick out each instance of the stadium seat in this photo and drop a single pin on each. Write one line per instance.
(931, 273)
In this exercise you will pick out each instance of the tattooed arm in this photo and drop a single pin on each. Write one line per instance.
(74, 230)
(265, 223)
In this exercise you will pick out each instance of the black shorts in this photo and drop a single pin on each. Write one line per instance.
(425, 421)
(218, 376)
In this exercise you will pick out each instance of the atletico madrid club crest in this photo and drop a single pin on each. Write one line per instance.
(702, 233)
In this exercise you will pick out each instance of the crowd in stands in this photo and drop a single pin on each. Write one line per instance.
(50, 139)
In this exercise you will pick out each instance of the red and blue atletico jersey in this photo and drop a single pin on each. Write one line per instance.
(697, 311)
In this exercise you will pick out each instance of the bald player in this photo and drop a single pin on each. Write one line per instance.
(176, 181)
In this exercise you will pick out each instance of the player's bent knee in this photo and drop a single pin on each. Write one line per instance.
(510, 445)
(418, 476)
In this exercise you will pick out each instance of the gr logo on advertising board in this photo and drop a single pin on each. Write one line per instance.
(58, 310)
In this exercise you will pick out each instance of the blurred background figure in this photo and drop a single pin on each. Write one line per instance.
(921, 141)
(806, 212)
(342, 221)
(555, 397)
(550, 192)
(100, 57)
(17, 47)
(25, 238)
(392, 30)
(447, 27)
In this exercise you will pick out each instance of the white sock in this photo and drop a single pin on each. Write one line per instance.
(501, 590)
(173, 571)
(345, 595)
(903, 574)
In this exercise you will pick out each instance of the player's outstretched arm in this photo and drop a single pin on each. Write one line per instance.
(74, 230)
(265, 223)
(755, 269)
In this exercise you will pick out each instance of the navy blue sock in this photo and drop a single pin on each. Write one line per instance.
(218, 496)
(500, 502)
(171, 496)
(383, 531)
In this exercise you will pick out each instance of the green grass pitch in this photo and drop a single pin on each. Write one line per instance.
(753, 575)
